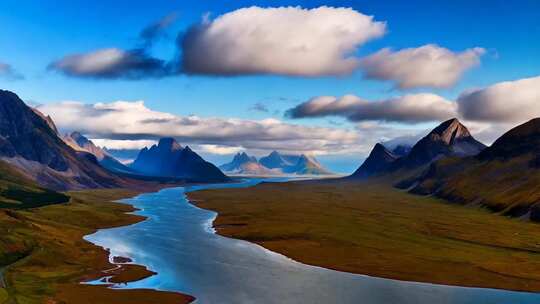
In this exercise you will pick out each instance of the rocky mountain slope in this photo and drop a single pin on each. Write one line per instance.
(379, 160)
(504, 177)
(82, 144)
(30, 143)
(169, 159)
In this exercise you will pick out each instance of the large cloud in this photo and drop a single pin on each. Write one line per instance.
(511, 101)
(412, 108)
(113, 63)
(8, 72)
(124, 120)
(284, 40)
(426, 66)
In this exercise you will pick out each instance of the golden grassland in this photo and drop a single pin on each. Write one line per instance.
(47, 256)
(372, 228)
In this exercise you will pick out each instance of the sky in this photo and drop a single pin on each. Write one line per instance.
(329, 78)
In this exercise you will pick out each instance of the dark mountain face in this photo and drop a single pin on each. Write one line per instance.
(521, 140)
(24, 133)
(28, 141)
(377, 162)
(169, 159)
(401, 150)
(451, 138)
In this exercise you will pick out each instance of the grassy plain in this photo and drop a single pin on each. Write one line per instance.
(372, 228)
(47, 256)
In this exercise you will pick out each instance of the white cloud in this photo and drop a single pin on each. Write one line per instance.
(123, 120)
(123, 144)
(510, 101)
(426, 66)
(412, 108)
(220, 150)
(284, 40)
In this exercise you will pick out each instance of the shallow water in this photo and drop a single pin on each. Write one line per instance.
(177, 241)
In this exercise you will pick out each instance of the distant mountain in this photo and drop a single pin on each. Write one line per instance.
(276, 161)
(82, 144)
(169, 159)
(30, 142)
(504, 177)
(246, 165)
(293, 164)
(378, 161)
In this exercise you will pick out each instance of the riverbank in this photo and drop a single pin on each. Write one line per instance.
(374, 229)
(48, 256)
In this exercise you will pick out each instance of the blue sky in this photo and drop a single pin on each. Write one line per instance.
(32, 35)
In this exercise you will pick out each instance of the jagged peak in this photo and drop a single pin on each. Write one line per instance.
(451, 130)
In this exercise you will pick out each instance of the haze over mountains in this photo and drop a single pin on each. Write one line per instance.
(274, 164)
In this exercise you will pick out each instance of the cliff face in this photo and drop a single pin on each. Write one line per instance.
(29, 142)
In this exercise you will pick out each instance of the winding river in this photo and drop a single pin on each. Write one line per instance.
(177, 242)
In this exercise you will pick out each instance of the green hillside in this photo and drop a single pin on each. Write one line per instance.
(17, 191)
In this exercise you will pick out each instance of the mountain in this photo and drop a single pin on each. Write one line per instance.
(237, 162)
(29, 142)
(18, 191)
(293, 164)
(169, 159)
(275, 161)
(450, 138)
(504, 177)
(378, 161)
(306, 165)
(246, 165)
(82, 144)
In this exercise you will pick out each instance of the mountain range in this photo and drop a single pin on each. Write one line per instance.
(450, 164)
(274, 164)
(450, 138)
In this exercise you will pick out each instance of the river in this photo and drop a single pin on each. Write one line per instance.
(177, 241)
